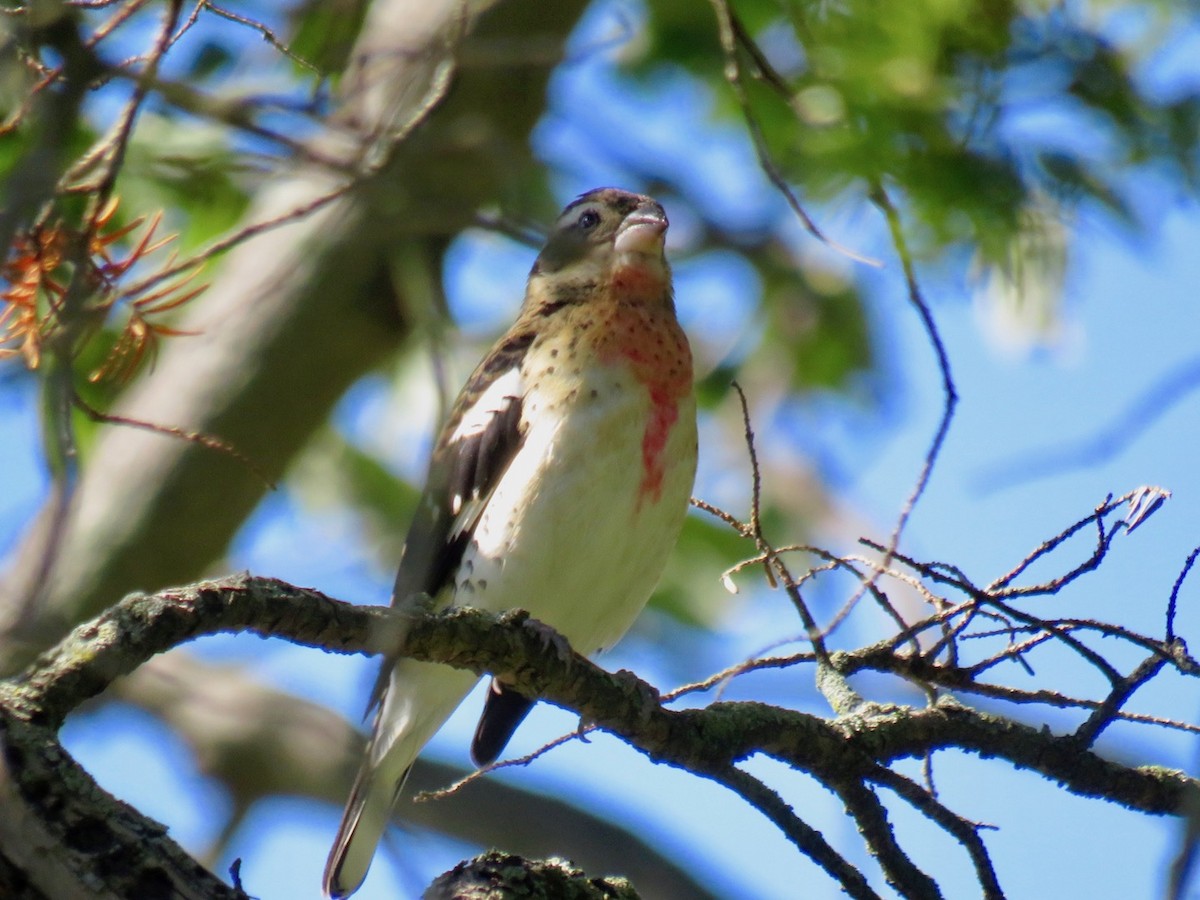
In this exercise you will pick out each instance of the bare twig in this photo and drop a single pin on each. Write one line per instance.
(965, 832)
(442, 793)
(1173, 602)
(1096, 659)
(1097, 515)
(901, 872)
(776, 569)
(731, 34)
(806, 838)
(119, 142)
(742, 668)
(204, 440)
(267, 34)
(950, 394)
(232, 240)
(1105, 713)
(755, 479)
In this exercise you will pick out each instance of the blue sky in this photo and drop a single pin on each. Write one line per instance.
(1130, 317)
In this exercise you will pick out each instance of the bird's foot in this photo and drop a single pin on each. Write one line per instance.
(416, 605)
(644, 694)
(548, 638)
(581, 730)
(546, 635)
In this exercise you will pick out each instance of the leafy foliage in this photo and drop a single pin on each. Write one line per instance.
(931, 97)
(934, 111)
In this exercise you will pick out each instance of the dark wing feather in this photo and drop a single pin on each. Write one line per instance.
(462, 476)
(503, 711)
(475, 448)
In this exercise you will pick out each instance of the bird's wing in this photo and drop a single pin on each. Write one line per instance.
(475, 448)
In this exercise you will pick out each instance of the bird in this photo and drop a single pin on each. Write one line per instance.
(558, 484)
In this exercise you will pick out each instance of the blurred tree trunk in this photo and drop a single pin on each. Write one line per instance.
(295, 316)
(298, 313)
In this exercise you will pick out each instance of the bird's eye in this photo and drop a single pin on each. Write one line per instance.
(589, 220)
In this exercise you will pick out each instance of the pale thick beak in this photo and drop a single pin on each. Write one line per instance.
(642, 231)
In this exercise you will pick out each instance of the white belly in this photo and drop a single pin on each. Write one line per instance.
(587, 545)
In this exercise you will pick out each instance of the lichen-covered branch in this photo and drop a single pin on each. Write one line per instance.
(842, 752)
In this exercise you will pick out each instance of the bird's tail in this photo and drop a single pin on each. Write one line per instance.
(363, 821)
(419, 698)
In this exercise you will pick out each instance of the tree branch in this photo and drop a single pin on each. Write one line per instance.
(711, 741)
(65, 837)
(259, 741)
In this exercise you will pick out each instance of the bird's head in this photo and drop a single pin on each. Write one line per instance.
(607, 234)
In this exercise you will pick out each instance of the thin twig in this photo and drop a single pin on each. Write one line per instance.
(728, 33)
(901, 872)
(119, 142)
(267, 34)
(240, 236)
(1102, 509)
(950, 394)
(755, 472)
(962, 830)
(442, 793)
(192, 437)
(807, 839)
(1173, 602)
(1105, 713)
(742, 668)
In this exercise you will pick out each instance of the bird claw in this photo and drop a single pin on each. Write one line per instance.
(548, 638)
(546, 635)
(647, 694)
(418, 604)
(581, 730)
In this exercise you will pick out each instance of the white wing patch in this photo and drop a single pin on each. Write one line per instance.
(481, 416)
(491, 402)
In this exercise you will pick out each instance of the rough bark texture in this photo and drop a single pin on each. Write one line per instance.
(501, 876)
(55, 803)
(62, 837)
(292, 318)
(297, 314)
(260, 742)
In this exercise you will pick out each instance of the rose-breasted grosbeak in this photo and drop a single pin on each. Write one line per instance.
(558, 485)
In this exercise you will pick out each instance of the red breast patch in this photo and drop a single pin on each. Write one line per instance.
(652, 343)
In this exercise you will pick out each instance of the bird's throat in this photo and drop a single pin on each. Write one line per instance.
(640, 277)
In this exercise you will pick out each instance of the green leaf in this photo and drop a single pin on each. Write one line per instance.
(324, 31)
(188, 170)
